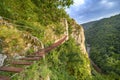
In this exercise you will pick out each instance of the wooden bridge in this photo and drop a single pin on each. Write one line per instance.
(27, 60)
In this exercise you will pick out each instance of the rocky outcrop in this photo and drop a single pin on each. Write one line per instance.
(18, 42)
(65, 24)
(77, 32)
(78, 35)
(2, 58)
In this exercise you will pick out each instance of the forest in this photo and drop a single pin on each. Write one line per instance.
(104, 39)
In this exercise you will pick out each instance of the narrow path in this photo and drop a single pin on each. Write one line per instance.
(37, 56)
(54, 45)
(91, 61)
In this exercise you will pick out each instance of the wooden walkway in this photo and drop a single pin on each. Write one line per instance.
(28, 60)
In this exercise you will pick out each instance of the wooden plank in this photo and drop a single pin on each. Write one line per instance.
(31, 58)
(11, 69)
(21, 63)
(4, 78)
(34, 56)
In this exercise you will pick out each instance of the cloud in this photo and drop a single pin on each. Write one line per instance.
(104, 1)
(107, 4)
(78, 2)
(88, 10)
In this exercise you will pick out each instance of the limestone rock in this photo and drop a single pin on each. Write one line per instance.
(2, 58)
(78, 35)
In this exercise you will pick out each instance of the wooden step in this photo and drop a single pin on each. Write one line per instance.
(4, 78)
(31, 58)
(11, 69)
(34, 56)
(21, 63)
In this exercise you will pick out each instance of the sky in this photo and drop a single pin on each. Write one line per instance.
(84, 11)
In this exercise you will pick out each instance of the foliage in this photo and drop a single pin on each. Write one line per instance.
(11, 38)
(35, 17)
(104, 38)
(67, 62)
(32, 72)
(13, 42)
(45, 12)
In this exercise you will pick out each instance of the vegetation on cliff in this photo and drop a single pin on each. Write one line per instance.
(26, 23)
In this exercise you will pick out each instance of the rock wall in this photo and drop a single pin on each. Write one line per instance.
(78, 35)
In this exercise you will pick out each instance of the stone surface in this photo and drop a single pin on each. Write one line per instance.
(78, 35)
(2, 58)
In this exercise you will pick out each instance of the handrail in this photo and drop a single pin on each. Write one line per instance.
(54, 45)
(46, 50)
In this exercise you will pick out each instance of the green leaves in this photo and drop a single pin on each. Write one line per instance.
(67, 62)
(104, 38)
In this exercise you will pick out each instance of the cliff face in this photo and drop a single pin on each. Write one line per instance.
(78, 35)
(77, 32)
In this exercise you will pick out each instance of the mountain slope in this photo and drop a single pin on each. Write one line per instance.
(104, 39)
(34, 24)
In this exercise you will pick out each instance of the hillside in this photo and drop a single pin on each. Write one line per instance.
(30, 26)
(86, 26)
(104, 39)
